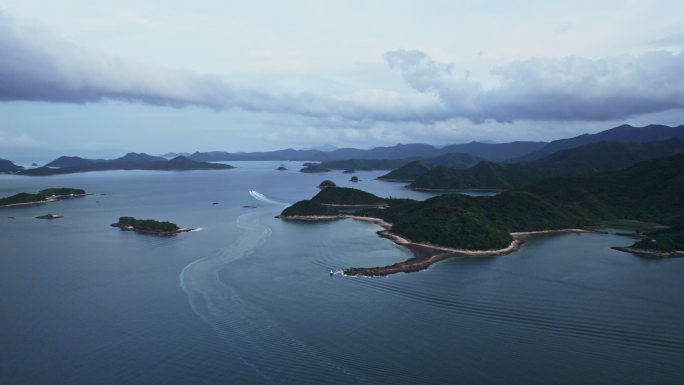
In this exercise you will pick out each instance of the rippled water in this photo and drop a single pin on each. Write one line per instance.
(249, 299)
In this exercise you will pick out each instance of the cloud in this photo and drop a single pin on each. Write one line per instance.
(37, 66)
(567, 89)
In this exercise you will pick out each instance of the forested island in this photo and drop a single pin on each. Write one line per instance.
(314, 168)
(149, 226)
(458, 224)
(131, 161)
(43, 196)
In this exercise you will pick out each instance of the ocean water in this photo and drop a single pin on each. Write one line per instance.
(248, 298)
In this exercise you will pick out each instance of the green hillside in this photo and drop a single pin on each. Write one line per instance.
(649, 191)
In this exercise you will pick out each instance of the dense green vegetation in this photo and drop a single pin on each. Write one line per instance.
(41, 196)
(130, 162)
(323, 203)
(346, 196)
(650, 191)
(314, 168)
(148, 224)
(308, 207)
(485, 175)
(22, 198)
(479, 223)
(663, 240)
(409, 172)
(327, 183)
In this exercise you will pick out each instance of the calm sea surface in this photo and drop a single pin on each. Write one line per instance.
(248, 299)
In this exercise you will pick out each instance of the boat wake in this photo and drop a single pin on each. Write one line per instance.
(256, 339)
(263, 198)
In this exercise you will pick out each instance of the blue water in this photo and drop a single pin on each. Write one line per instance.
(248, 299)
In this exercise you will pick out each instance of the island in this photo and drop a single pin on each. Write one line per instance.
(460, 225)
(50, 216)
(149, 226)
(327, 183)
(314, 168)
(131, 161)
(44, 196)
(282, 168)
(354, 179)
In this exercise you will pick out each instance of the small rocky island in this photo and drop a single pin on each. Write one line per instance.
(149, 226)
(50, 216)
(354, 179)
(282, 168)
(44, 196)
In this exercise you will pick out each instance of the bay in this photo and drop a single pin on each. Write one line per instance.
(248, 298)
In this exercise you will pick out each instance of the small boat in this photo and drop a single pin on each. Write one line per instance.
(332, 273)
(215, 203)
(249, 206)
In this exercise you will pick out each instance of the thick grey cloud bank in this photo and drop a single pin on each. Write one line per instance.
(37, 67)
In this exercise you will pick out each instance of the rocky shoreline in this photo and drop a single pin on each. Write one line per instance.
(425, 254)
(650, 253)
(151, 232)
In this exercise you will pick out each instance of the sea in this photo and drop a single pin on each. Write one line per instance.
(249, 299)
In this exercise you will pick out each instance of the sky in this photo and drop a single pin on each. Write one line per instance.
(103, 78)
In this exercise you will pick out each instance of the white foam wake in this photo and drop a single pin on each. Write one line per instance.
(263, 198)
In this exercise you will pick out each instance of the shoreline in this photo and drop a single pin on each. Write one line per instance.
(425, 254)
(649, 253)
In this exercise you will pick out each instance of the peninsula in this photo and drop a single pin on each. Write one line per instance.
(455, 224)
(149, 226)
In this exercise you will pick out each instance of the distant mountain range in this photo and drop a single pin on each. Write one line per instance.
(450, 160)
(495, 152)
(591, 158)
(624, 133)
(491, 151)
(170, 155)
(130, 161)
(393, 157)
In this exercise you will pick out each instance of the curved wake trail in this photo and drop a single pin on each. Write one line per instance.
(255, 338)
